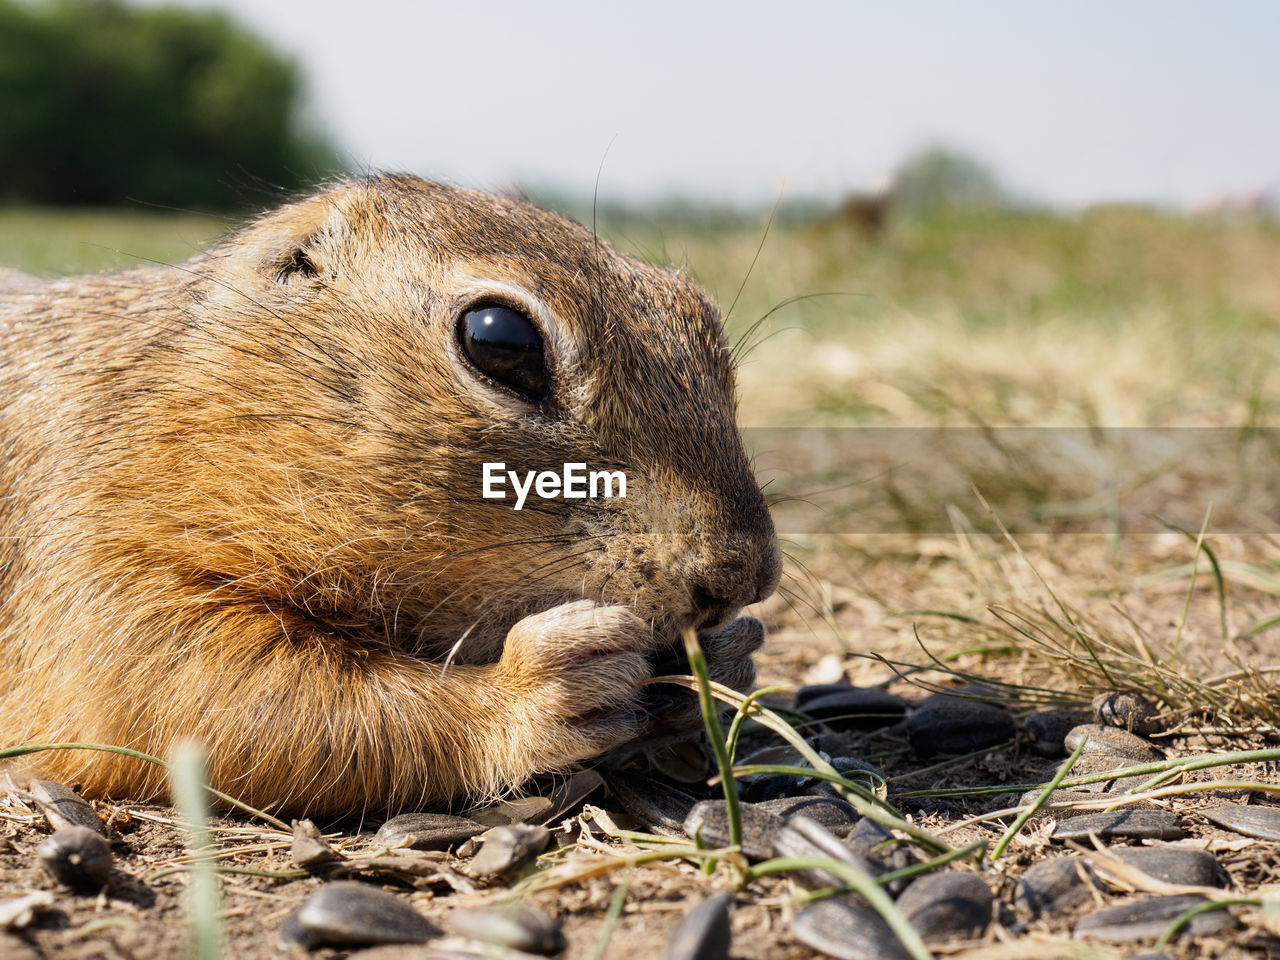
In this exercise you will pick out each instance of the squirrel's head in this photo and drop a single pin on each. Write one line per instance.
(363, 359)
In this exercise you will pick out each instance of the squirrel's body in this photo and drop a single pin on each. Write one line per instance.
(240, 500)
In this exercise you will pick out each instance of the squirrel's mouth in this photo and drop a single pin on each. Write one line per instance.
(476, 635)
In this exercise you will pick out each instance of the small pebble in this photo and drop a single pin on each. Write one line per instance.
(828, 669)
(853, 708)
(802, 837)
(507, 850)
(851, 768)
(1186, 865)
(63, 807)
(310, 849)
(1058, 796)
(77, 857)
(947, 724)
(426, 831)
(685, 761)
(816, 691)
(524, 928)
(704, 932)
(947, 904)
(519, 810)
(1127, 710)
(1055, 886)
(865, 837)
(1149, 919)
(345, 912)
(1261, 823)
(770, 786)
(1111, 741)
(1047, 729)
(568, 795)
(847, 930)
(710, 818)
(659, 807)
(835, 814)
(1088, 764)
(1120, 824)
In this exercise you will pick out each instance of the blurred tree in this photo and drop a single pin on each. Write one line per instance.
(938, 179)
(100, 102)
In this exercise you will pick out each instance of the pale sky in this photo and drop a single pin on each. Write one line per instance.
(1073, 102)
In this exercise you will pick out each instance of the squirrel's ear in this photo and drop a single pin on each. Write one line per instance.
(303, 241)
(296, 264)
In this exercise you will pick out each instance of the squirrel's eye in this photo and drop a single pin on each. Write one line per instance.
(503, 343)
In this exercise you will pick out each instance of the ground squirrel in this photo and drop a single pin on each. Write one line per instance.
(241, 499)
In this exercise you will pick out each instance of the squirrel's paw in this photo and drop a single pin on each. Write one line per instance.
(575, 672)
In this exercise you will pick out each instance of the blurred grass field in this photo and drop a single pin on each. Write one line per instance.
(1113, 317)
(53, 242)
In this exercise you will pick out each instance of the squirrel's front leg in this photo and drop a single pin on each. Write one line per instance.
(569, 682)
(564, 690)
(311, 725)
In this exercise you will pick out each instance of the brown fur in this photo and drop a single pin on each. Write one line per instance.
(240, 501)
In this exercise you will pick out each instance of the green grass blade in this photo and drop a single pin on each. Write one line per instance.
(1187, 916)
(1044, 795)
(186, 774)
(711, 718)
(612, 914)
(8, 752)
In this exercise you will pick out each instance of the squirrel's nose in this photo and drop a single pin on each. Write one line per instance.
(709, 607)
(725, 589)
(768, 573)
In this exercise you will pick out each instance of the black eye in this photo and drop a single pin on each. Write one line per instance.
(504, 344)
